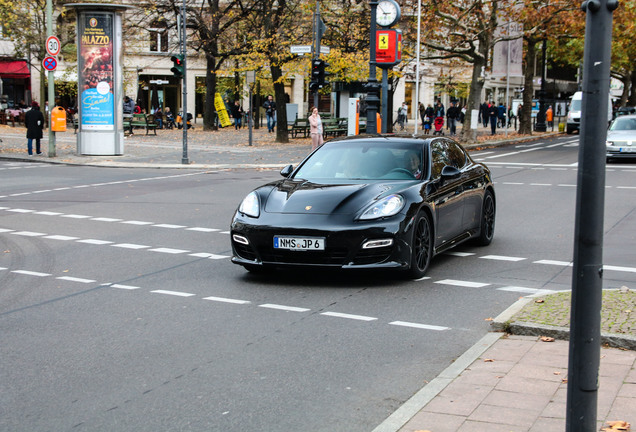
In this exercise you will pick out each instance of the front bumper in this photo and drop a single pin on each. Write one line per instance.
(343, 241)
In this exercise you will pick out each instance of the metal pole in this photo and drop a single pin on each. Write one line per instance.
(587, 273)
(184, 158)
(51, 79)
(385, 100)
(316, 55)
(416, 105)
(540, 126)
(372, 86)
(507, 118)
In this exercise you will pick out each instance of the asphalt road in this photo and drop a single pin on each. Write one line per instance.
(120, 309)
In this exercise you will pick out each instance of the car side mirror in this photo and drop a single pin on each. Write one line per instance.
(285, 172)
(449, 172)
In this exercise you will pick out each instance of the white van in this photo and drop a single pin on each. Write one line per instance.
(574, 112)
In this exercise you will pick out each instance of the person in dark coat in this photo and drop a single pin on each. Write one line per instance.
(34, 122)
(493, 115)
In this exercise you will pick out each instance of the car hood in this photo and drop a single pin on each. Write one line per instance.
(622, 135)
(304, 197)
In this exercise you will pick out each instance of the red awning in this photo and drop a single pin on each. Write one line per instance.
(14, 69)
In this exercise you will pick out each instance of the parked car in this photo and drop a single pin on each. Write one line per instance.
(621, 138)
(367, 202)
(625, 111)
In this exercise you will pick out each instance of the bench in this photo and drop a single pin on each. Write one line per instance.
(300, 126)
(140, 120)
(334, 127)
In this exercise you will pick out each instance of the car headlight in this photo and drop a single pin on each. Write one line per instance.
(609, 143)
(385, 207)
(250, 205)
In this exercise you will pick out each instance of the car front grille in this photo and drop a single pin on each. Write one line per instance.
(372, 256)
(244, 251)
(330, 256)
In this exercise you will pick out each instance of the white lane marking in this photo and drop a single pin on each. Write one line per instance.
(130, 246)
(618, 268)
(460, 254)
(61, 237)
(349, 316)
(208, 255)
(502, 155)
(29, 233)
(466, 284)
(526, 290)
(502, 258)
(105, 219)
(134, 222)
(5, 230)
(224, 232)
(20, 210)
(283, 307)
(168, 250)
(3, 268)
(75, 216)
(566, 185)
(95, 241)
(125, 287)
(48, 213)
(41, 191)
(31, 273)
(419, 326)
(200, 229)
(74, 279)
(625, 187)
(227, 300)
(173, 293)
(4, 208)
(540, 184)
(169, 226)
(20, 194)
(62, 188)
(513, 183)
(81, 186)
(557, 263)
(422, 278)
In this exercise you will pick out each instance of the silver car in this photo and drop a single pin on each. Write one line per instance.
(621, 138)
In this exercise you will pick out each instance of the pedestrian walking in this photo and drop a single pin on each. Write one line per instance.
(452, 116)
(493, 115)
(501, 115)
(34, 122)
(315, 129)
(549, 116)
(483, 111)
(237, 114)
(270, 113)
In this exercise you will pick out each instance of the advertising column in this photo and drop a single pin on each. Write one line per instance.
(99, 79)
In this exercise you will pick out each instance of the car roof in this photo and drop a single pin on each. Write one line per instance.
(377, 138)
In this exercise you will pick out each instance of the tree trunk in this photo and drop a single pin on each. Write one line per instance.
(209, 111)
(525, 117)
(281, 106)
(632, 95)
(626, 80)
(474, 99)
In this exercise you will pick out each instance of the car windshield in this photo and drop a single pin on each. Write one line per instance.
(624, 124)
(576, 105)
(364, 160)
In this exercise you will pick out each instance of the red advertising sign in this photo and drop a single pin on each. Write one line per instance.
(388, 47)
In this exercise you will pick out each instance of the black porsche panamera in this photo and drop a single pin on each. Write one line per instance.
(367, 202)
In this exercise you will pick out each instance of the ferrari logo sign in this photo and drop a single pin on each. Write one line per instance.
(383, 41)
(388, 50)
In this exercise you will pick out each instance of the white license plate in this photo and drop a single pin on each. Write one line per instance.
(299, 243)
(628, 150)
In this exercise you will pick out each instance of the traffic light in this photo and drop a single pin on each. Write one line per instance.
(314, 86)
(316, 68)
(178, 67)
(323, 73)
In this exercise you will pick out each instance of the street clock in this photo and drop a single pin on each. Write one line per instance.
(388, 13)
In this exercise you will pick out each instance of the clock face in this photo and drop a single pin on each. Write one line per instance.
(388, 13)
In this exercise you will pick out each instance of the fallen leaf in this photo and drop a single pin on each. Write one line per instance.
(489, 319)
(617, 426)
(557, 373)
(547, 339)
(539, 301)
(488, 360)
(564, 381)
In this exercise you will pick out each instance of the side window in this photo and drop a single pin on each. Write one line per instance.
(456, 156)
(439, 158)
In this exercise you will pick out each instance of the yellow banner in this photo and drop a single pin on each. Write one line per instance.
(224, 118)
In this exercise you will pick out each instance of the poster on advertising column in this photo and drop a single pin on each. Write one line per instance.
(96, 72)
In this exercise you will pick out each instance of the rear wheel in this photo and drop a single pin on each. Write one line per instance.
(421, 247)
(487, 228)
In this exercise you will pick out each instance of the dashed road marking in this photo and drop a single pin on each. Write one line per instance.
(283, 307)
(349, 316)
(419, 326)
(227, 300)
(502, 258)
(31, 273)
(173, 293)
(74, 279)
(466, 284)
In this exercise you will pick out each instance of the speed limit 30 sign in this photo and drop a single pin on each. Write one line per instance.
(53, 46)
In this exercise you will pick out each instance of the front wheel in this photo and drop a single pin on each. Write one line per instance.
(421, 246)
(487, 225)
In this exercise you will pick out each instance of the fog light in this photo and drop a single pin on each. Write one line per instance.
(377, 243)
(240, 239)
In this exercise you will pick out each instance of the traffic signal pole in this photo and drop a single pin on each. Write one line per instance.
(587, 272)
(184, 116)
